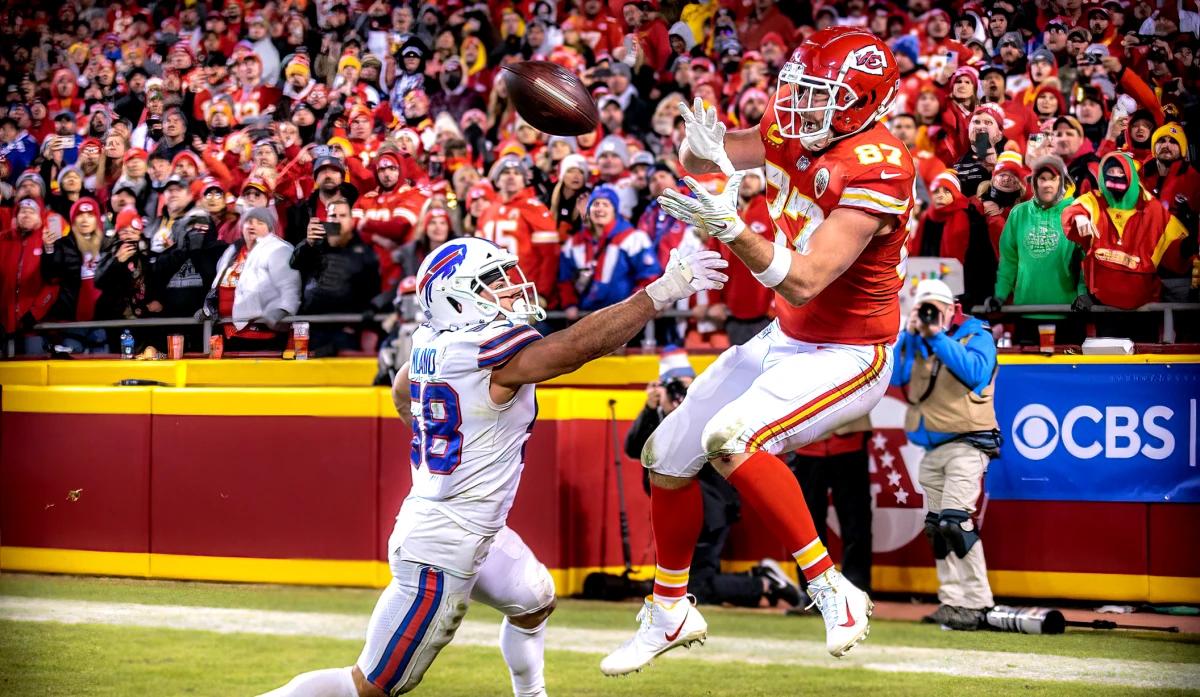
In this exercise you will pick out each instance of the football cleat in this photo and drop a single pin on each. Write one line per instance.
(845, 608)
(662, 629)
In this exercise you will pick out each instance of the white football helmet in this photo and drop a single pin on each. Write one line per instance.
(456, 286)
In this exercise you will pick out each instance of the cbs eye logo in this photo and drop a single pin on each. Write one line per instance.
(1035, 431)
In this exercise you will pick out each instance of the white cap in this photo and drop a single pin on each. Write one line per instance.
(574, 161)
(933, 289)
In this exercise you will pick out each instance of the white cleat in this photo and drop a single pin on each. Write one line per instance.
(846, 610)
(663, 628)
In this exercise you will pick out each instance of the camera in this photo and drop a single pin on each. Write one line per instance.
(928, 313)
(676, 390)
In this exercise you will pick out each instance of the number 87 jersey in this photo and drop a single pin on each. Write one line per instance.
(467, 451)
(870, 171)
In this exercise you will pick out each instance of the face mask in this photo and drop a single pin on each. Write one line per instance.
(1116, 186)
(453, 80)
(221, 131)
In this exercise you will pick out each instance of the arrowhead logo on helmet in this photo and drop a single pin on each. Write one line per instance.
(869, 59)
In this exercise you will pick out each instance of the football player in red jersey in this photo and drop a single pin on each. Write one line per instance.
(838, 190)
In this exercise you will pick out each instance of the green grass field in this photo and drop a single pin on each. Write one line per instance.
(39, 658)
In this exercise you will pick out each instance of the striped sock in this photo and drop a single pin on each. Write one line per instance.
(769, 487)
(677, 516)
(813, 560)
(669, 585)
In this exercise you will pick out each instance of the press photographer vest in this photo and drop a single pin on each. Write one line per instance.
(947, 405)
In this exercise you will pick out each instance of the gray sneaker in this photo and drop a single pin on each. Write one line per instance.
(964, 619)
(938, 616)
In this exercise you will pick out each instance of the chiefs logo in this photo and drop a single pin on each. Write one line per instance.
(868, 59)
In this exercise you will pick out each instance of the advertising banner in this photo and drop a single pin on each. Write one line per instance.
(1093, 432)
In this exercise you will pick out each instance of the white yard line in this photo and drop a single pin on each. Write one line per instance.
(870, 656)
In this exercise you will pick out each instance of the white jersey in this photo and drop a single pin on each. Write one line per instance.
(467, 451)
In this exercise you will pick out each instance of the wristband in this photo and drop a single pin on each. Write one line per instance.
(777, 270)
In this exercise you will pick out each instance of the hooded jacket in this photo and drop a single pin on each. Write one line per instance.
(1038, 264)
(1135, 234)
(25, 294)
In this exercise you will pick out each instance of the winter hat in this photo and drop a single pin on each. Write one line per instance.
(263, 215)
(907, 45)
(87, 204)
(948, 178)
(673, 363)
(607, 193)
(188, 155)
(32, 175)
(389, 157)
(507, 162)
(615, 145)
(1173, 131)
(992, 110)
(69, 169)
(573, 161)
(299, 65)
(1051, 162)
(349, 60)
(128, 218)
(968, 71)
(34, 203)
(1009, 161)
(136, 154)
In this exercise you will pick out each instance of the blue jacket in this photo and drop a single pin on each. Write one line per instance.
(972, 362)
(626, 261)
(19, 153)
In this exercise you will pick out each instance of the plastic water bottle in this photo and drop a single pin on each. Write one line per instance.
(126, 345)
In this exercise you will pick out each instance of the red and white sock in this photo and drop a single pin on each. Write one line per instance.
(677, 516)
(769, 487)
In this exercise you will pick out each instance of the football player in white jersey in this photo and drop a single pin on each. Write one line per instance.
(468, 393)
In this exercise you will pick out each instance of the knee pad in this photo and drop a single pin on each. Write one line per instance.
(958, 530)
(934, 535)
(722, 435)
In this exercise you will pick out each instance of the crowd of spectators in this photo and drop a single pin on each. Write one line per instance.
(254, 159)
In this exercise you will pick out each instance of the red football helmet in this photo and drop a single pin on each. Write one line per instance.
(839, 81)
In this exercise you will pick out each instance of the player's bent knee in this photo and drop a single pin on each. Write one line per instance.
(722, 436)
(532, 620)
(364, 687)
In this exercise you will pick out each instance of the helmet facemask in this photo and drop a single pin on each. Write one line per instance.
(805, 106)
(493, 283)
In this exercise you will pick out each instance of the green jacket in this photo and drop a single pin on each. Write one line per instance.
(1038, 264)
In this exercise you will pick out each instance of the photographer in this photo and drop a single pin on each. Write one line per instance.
(946, 365)
(340, 273)
(721, 503)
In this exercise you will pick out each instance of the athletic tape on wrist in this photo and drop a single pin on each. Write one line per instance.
(778, 269)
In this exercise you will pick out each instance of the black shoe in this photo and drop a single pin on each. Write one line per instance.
(779, 586)
(964, 619)
(938, 616)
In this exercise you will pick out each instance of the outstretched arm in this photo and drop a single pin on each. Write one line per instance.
(604, 331)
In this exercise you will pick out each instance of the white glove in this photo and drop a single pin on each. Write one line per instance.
(716, 215)
(686, 276)
(704, 135)
(1084, 226)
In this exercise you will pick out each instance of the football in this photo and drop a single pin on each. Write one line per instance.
(551, 98)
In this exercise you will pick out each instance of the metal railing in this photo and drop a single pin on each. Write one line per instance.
(206, 325)
(1167, 310)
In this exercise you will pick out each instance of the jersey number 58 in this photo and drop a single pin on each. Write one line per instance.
(436, 442)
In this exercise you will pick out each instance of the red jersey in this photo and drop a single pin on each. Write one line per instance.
(743, 295)
(391, 214)
(525, 227)
(870, 171)
(601, 33)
